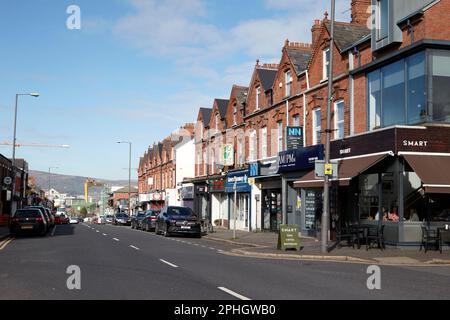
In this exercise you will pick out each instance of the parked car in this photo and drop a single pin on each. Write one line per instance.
(149, 221)
(73, 220)
(51, 216)
(62, 219)
(30, 220)
(121, 218)
(45, 214)
(80, 219)
(109, 218)
(136, 220)
(178, 220)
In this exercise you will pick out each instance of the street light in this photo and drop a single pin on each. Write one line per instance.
(14, 143)
(129, 176)
(326, 187)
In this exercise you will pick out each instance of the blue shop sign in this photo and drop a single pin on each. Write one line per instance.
(238, 179)
(300, 159)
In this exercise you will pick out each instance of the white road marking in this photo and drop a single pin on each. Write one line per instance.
(136, 248)
(234, 294)
(115, 239)
(97, 231)
(5, 242)
(212, 248)
(53, 232)
(170, 264)
(104, 234)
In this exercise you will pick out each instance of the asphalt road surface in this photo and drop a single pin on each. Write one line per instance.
(121, 263)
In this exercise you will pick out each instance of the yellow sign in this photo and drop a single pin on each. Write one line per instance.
(328, 169)
(251, 181)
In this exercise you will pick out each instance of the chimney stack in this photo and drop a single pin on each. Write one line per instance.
(361, 12)
(315, 31)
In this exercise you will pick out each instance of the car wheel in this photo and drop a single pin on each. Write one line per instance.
(166, 232)
(156, 229)
(132, 226)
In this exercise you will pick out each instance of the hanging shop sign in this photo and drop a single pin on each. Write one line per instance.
(228, 155)
(294, 137)
(300, 159)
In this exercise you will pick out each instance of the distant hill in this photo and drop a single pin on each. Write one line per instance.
(72, 185)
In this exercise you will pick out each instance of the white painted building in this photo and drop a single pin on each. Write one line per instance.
(184, 159)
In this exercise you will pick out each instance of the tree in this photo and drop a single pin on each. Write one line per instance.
(83, 212)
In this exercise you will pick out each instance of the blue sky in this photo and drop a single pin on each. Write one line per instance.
(137, 70)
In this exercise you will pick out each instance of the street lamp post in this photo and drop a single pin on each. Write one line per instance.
(14, 144)
(129, 176)
(326, 187)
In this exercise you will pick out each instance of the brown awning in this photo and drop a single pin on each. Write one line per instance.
(348, 169)
(433, 170)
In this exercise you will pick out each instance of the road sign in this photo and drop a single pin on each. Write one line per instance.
(288, 237)
(7, 181)
(321, 169)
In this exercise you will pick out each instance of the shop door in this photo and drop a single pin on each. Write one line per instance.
(272, 210)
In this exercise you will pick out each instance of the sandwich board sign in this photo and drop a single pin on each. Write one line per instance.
(288, 237)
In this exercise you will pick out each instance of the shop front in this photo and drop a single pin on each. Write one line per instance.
(6, 185)
(239, 190)
(219, 201)
(267, 206)
(187, 196)
(157, 199)
(396, 177)
(293, 165)
(202, 199)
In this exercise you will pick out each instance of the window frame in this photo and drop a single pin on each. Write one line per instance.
(336, 121)
(314, 127)
(325, 64)
(257, 97)
(264, 142)
(280, 136)
(288, 83)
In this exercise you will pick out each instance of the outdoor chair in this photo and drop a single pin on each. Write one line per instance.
(345, 233)
(429, 237)
(444, 237)
(376, 234)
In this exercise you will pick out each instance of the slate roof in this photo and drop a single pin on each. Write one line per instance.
(241, 94)
(299, 58)
(345, 34)
(222, 105)
(206, 115)
(267, 77)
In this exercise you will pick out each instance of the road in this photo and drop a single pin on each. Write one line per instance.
(121, 263)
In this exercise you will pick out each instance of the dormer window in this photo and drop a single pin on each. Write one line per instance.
(326, 63)
(258, 96)
(217, 122)
(234, 114)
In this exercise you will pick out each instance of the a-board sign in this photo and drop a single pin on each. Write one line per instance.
(288, 237)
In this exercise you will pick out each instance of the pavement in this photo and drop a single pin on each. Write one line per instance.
(264, 245)
(118, 262)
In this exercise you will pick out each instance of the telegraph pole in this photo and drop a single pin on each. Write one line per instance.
(326, 187)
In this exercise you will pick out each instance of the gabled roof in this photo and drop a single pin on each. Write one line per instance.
(299, 58)
(222, 105)
(345, 34)
(206, 115)
(241, 94)
(267, 77)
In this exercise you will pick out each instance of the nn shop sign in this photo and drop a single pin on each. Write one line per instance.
(300, 159)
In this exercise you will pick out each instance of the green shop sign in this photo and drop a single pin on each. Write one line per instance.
(288, 237)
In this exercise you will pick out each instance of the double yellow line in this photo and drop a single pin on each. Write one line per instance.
(5, 242)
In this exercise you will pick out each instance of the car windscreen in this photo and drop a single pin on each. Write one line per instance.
(27, 214)
(141, 214)
(180, 211)
(121, 216)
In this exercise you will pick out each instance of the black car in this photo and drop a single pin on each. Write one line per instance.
(30, 220)
(136, 220)
(121, 218)
(149, 221)
(178, 220)
(45, 214)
